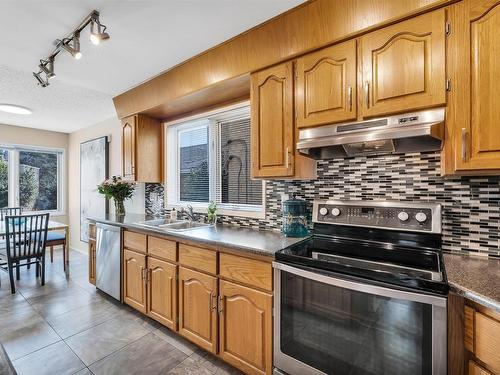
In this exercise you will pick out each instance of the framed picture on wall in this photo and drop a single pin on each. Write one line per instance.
(94, 169)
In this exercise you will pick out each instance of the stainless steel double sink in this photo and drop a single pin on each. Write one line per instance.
(170, 225)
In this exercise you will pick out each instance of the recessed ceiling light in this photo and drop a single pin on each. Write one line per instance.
(16, 109)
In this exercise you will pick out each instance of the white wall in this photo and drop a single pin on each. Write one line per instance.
(17, 135)
(111, 128)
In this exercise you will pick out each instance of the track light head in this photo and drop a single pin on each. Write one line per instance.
(47, 66)
(74, 49)
(97, 31)
(42, 82)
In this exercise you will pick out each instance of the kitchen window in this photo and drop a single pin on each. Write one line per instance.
(208, 159)
(31, 178)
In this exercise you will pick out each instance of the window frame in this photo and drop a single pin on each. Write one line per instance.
(13, 175)
(211, 120)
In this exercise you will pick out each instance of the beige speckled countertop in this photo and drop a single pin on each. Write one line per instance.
(476, 278)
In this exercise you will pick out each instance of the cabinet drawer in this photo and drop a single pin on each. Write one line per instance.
(198, 258)
(248, 271)
(134, 241)
(487, 340)
(161, 248)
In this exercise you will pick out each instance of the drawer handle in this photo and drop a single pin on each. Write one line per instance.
(349, 98)
(367, 94)
(464, 144)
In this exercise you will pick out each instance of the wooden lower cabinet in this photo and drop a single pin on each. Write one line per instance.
(198, 308)
(134, 280)
(245, 328)
(162, 292)
(92, 248)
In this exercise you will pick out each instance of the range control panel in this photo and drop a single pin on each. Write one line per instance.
(380, 214)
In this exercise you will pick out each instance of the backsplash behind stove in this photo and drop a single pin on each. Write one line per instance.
(471, 205)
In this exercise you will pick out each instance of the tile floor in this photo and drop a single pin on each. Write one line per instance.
(67, 327)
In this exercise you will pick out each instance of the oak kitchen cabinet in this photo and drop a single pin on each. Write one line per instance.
(222, 302)
(403, 66)
(142, 149)
(150, 277)
(198, 308)
(273, 131)
(473, 142)
(326, 85)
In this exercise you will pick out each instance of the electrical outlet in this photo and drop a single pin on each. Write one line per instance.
(284, 197)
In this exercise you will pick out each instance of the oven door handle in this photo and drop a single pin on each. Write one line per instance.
(362, 287)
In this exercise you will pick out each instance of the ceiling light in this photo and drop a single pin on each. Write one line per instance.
(97, 32)
(47, 66)
(16, 109)
(42, 82)
(74, 50)
(71, 44)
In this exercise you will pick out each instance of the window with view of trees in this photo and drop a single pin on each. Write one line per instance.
(35, 180)
(209, 160)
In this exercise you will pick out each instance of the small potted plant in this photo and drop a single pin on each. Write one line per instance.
(119, 190)
(212, 213)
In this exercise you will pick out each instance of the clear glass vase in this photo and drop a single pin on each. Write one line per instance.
(119, 208)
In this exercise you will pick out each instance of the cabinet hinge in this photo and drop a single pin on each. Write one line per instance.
(448, 84)
(447, 28)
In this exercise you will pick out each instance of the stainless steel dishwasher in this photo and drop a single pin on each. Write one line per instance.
(108, 270)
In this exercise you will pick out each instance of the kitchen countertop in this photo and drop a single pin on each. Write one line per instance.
(475, 278)
(259, 242)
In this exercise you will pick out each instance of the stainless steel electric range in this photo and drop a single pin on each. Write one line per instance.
(365, 295)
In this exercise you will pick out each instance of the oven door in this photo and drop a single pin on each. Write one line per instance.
(328, 325)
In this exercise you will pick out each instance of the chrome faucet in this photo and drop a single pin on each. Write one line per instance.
(189, 212)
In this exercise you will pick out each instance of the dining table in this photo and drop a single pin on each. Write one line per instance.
(51, 226)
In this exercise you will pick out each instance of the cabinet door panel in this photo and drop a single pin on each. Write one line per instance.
(197, 308)
(134, 280)
(404, 66)
(128, 147)
(272, 122)
(246, 328)
(162, 292)
(326, 85)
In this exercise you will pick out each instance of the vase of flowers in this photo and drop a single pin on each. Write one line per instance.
(119, 190)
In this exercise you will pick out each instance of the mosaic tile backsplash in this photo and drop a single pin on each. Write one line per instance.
(471, 205)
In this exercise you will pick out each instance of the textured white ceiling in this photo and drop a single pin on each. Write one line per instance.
(147, 37)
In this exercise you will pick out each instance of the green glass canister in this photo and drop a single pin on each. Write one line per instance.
(295, 218)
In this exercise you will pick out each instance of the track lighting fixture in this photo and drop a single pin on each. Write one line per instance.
(47, 66)
(71, 44)
(42, 82)
(97, 31)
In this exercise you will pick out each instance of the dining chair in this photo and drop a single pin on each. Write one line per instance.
(10, 211)
(26, 237)
(56, 239)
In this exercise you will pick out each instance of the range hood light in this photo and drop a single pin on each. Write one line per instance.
(15, 109)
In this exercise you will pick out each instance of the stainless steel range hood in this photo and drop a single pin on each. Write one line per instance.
(411, 132)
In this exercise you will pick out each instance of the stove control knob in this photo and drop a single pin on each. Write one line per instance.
(403, 216)
(421, 217)
(335, 211)
(323, 211)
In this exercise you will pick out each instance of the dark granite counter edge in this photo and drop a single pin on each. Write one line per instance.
(474, 296)
(189, 236)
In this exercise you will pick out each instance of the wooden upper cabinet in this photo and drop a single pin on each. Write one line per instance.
(474, 66)
(246, 328)
(142, 149)
(403, 66)
(162, 292)
(134, 280)
(325, 89)
(272, 122)
(198, 308)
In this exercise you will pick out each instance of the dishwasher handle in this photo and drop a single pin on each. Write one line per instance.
(107, 227)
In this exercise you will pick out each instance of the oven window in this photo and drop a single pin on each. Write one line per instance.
(341, 331)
